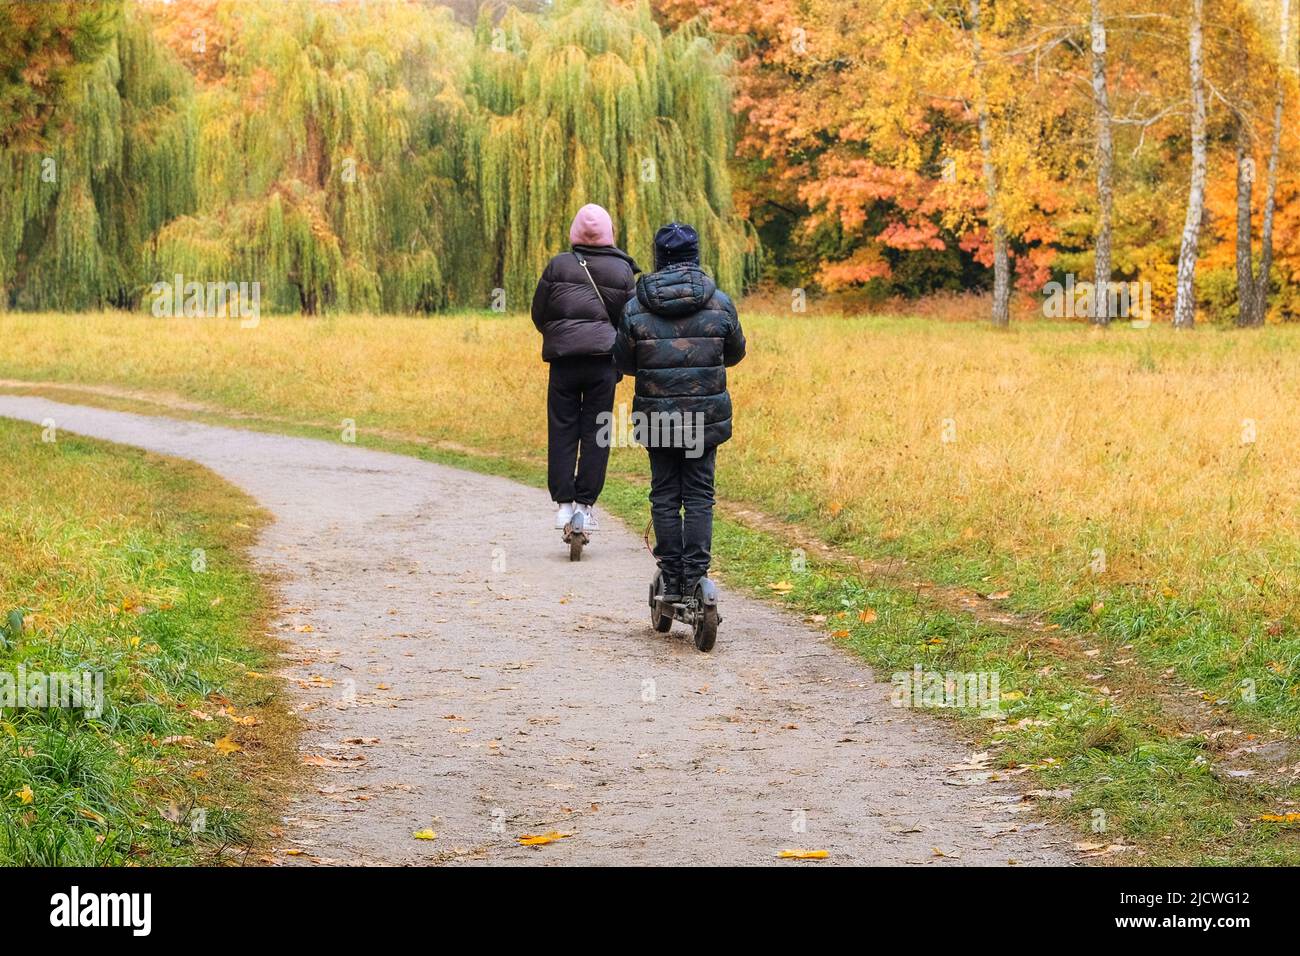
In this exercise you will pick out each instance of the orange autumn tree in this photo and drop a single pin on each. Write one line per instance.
(911, 146)
(893, 145)
(46, 49)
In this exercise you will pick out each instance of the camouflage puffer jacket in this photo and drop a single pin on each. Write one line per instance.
(678, 336)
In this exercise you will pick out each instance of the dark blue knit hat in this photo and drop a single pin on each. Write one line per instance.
(676, 243)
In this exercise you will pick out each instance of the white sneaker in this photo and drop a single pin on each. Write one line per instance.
(589, 522)
(563, 515)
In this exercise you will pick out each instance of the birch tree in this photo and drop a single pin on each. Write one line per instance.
(1185, 303)
(1001, 260)
(1105, 160)
(1256, 290)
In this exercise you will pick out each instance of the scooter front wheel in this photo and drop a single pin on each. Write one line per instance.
(706, 627)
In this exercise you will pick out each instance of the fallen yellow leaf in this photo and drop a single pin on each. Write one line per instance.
(425, 835)
(781, 587)
(803, 854)
(318, 760)
(867, 615)
(225, 745)
(25, 794)
(541, 839)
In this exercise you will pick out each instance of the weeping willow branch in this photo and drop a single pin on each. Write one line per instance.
(372, 157)
(80, 213)
(601, 106)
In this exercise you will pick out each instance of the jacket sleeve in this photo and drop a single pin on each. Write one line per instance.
(733, 347)
(542, 298)
(624, 347)
(627, 294)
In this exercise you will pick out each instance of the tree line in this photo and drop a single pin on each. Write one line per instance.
(406, 155)
(907, 147)
(379, 156)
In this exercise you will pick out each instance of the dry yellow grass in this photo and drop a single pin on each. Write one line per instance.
(1135, 442)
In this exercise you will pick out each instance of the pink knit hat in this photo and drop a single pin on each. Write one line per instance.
(592, 227)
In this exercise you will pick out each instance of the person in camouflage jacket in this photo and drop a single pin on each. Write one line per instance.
(678, 336)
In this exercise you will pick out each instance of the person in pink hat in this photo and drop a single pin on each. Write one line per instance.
(576, 307)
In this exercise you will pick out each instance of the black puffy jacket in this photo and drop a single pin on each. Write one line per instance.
(677, 337)
(572, 320)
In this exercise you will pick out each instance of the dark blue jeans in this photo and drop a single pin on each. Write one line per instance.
(681, 505)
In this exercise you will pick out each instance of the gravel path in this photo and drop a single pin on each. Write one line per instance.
(460, 674)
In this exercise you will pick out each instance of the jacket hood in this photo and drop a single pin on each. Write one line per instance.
(592, 226)
(614, 251)
(679, 290)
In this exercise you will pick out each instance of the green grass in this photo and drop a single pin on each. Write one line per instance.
(100, 553)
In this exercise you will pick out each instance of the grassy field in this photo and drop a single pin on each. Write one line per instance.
(134, 567)
(1069, 447)
(1134, 491)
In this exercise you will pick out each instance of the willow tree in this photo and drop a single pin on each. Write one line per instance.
(330, 159)
(592, 102)
(116, 163)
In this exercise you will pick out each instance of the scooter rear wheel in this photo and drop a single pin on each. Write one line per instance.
(576, 541)
(660, 621)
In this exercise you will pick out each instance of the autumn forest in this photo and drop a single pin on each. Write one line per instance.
(414, 157)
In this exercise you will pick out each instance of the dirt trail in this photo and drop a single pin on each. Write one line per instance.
(467, 678)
